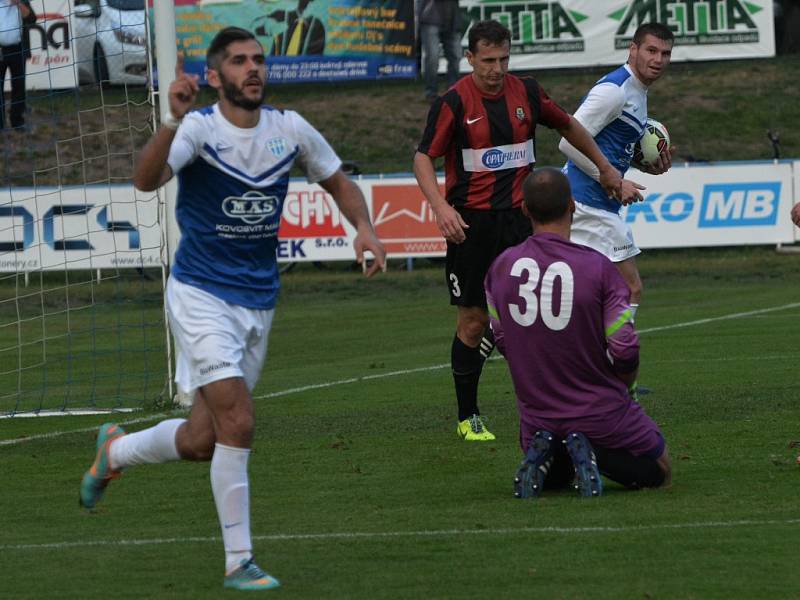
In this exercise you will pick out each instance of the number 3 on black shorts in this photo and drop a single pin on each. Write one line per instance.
(454, 287)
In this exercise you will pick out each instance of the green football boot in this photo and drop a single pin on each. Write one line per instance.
(100, 473)
(473, 430)
(249, 576)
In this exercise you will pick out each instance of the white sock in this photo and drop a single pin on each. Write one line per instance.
(147, 447)
(634, 308)
(232, 497)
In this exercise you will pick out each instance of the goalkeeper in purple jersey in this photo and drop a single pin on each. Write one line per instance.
(560, 314)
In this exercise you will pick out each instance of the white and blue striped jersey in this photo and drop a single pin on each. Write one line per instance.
(615, 113)
(231, 186)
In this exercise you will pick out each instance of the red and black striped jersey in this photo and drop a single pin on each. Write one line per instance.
(488, 140)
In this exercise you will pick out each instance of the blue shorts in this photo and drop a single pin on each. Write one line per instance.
(628, 429)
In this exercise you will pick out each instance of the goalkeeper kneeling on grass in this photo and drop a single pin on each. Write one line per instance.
(561, 316)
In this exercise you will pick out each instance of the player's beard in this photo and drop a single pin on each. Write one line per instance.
(236, 97)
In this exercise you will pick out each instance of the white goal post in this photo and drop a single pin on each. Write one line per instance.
(166, 56)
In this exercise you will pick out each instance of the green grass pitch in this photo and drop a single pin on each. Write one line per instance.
(361, 489)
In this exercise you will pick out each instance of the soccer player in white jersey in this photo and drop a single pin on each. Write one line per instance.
(233, 161)
(615, 113)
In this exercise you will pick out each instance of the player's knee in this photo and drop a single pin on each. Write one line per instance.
(203, 452)
(636, 287)
(471, 330)
(653, 475)
(200, 448)
(634, 472)
(665, 464)
(236, 427)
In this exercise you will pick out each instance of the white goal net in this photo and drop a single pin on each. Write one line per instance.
(81, 304)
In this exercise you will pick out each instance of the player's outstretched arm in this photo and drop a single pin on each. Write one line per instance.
(622, 342)
(151, 170)
(629, 190)
(576, 134)
(350, 201)
(450, 223)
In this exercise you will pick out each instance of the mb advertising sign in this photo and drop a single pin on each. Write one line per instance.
(721, 205)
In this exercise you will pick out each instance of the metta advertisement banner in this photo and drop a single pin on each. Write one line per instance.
(572, 33)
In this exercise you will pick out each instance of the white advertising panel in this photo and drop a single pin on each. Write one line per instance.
(100, 227)
(720, 205)
(566, 33)
(312, 228)
(51, 65)
(95, 227)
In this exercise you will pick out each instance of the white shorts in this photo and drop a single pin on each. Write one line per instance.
(215, 339)
(604, 231)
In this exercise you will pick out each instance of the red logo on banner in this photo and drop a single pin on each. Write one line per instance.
(405, 222)
(310, 214)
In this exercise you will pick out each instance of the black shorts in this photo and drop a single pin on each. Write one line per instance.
(490, 232)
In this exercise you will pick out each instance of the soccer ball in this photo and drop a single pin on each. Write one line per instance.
(654, 140)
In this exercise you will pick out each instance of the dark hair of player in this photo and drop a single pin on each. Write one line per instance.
(547, 194)
(658, 30)
(491, 32)
(216, 51)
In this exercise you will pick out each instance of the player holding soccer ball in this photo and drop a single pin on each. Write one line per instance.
(484, 127)
(232, 160)
(615, 113)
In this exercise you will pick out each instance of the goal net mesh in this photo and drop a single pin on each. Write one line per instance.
(81, 285)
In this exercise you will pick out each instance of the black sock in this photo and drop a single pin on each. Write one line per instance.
(629, 470)
(467, 364)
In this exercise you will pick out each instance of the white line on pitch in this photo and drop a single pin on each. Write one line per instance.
(444, 365)
(80, 412)
(749, 313)
(351, 380)
(55, 434)
(328, 384)
(724, 358)
(352, 535)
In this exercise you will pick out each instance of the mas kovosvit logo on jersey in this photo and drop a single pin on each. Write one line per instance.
(694, 22)
(252, 208)
(535, 27)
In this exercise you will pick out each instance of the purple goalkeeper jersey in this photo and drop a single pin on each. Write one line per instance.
(561, 316)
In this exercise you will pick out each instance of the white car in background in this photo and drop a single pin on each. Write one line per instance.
(110, 40)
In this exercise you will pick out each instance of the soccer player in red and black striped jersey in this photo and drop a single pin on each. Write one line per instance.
(484, 128)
